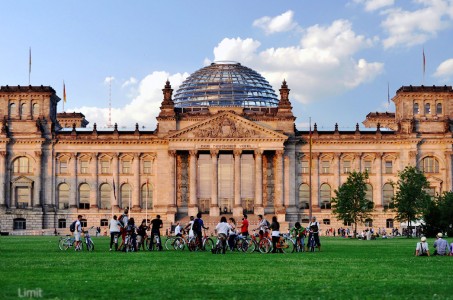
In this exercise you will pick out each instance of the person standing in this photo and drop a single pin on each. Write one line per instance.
(232, 234)
(314, 232)
(197, 226)
(422, 248)
(141, 235)
(156, 225)
(275, 227)
(124, 220)
(244, 226)
(441, 246)
(78, 234)
(189, 228)
(222, 229)
(114, 227)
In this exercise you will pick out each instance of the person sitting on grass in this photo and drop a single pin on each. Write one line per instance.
(222, 231)
(441, 246)
(298, 232)
(422, 248)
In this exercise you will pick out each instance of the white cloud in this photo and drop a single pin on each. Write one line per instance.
(280, 23)
(323, 65)
(108, 79)
(143, 109)
(445, 70)
(409, 28)
(130, 81)
(372, 5)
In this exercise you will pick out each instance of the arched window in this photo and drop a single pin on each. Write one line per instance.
(304, 196)
(147, 196)
(19, 224)
(35, 110)
(387, 195)
(23, 110)
(439, 108)
(12, 109)
(22, 165)
(63, 196)
(430, 165)
(126, 195)
(106, 193)
(427, 108)
(325, 196)
(84, 196)
(416, 109)
(369, 194)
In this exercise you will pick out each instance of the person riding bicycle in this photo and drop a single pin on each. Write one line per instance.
(197, 226)
(78, 233)
(114, 227)
(222, 231)
(314, 232)
(156, 225)
(263, 227)
(141, 235)
(298, 232)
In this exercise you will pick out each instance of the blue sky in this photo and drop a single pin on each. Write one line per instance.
(337, 56)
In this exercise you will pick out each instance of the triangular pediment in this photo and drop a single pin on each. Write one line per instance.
(226, 125)
(22, 180)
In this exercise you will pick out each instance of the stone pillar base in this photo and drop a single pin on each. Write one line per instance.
(192, 211)
(258, 210)
(214, 211)
(238, 211)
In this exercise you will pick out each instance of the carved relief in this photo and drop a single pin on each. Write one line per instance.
(224, 128)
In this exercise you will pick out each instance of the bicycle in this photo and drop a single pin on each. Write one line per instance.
(66, 242)
(311, 242)
(88, 241)
(264, 245)
(206, 243)
(286, 244)
(154, 240)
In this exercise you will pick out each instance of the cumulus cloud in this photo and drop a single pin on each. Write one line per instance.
(280, 23)
(129, 82)
(108, 79)
(372, 5)
(143, 109)
(409, 28)
(322, 65)
(445, 70)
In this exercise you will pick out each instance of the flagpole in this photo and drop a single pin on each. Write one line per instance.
(29, 65)
(129, 210)
(309, 171)
(424, 66)
(64, 94)
(147, 196)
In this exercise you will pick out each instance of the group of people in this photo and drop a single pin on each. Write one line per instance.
(126, 228)
(441, 247)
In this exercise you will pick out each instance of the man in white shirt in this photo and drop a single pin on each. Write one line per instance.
(222, 231)
(114, 228)
(78, 233)
(178, 229)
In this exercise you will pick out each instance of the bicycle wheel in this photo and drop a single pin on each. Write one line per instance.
(193, 246)
(90, 245)
(208, 244)
(179, 244)
(287, 245)
(248, 246)
(169, 243)
(265, 245)
(238, 244)
(63, 244)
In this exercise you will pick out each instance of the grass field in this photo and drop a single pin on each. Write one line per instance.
(345, 269)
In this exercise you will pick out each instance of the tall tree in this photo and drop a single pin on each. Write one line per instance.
(411, 198)
(350, 203)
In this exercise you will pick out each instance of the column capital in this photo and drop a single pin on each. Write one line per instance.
(3, 153)
(279, 153)
(379, 154)
(237, 152)
(136, 155)
(38, 154)
(172, 153)
(258, 152)
(337, 154)
(193, 153)
(214, 152)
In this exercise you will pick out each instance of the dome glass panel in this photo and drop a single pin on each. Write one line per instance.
(225, 84)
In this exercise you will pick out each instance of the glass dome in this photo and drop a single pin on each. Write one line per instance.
(225, 84)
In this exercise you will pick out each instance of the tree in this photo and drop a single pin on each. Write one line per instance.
(411, 198)
(439, 215)
(350, 203)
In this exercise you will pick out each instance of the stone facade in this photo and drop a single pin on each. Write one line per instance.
(213, 160)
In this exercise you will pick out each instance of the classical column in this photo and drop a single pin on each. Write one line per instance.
(448, 174)
(358, 162)
(36, 201)
(264, 189)
(94, 186)
(171, 188)
(136, 190)
(214, 210)
(278, 168)
(237, 209)
(337, 170)
(286, 181)
(315, 182)
(377, 199)
(259, 208)
(116, 204)
(193, 205)
(2, 178)
(7, 185)
(73, 180)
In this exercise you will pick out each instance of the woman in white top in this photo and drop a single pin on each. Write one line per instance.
(114, 228)
(189, 227)
(222, 231)
(422, 248)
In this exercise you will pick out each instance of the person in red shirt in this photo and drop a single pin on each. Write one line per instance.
(245, 226)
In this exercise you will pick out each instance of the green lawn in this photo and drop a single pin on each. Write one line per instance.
(345, 269)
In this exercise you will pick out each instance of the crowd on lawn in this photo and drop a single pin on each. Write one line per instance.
(441, 247)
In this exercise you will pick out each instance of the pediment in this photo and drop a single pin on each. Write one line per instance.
(22, 180)
(226, 125)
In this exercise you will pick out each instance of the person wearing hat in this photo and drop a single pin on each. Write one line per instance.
(422, 248)
(441, 245)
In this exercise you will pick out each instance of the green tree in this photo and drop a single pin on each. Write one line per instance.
(350, 204)
(439, 215)
(411, 199)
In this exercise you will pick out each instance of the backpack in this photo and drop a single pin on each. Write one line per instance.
(196, 225)
(72, 226)
(267, 223)
(121, 220)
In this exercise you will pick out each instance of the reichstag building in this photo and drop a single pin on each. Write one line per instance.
(225, 143)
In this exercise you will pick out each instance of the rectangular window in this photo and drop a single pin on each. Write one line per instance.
(61, 223)
(126, 167)
(367, 166)
(23, 165)
(305, 166)
(147, 167)
(346, 166)
(325, 167)
(19, 224)
(389, 223)
(84, 167)
(63, 167)
(105, 166)
(388, 167)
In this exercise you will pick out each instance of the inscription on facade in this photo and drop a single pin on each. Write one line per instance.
(224, 146)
